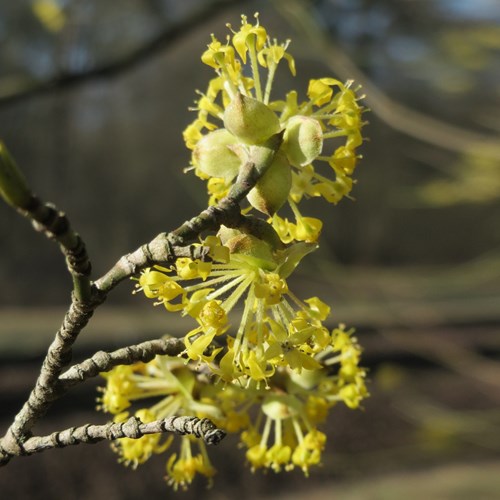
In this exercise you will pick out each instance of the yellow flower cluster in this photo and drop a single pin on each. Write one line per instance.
(282, 436)
(175, 387)
(280, 358)
(273, 377)
(236, 112)
(276, 328)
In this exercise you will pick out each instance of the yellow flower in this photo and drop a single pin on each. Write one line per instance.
(281, 442)
(308, 451)
(307, 229)
(182, 469)
(269, 333)
(274, 376)
(156, 284)
(249, 37)
(119, 389)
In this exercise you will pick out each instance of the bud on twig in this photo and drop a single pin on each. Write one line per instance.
(13, 187)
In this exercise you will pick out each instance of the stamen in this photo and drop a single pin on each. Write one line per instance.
(255, 66)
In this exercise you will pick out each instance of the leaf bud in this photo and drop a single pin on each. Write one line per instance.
(13, 187)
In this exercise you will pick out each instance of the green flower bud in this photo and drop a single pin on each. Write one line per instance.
(272, 189)
(253, 249)
(303, 140)
(216, 155)
(250, 120)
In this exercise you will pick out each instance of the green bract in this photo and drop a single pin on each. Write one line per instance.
(215, 156)
(250, 120)
(250, 247)
(271, 191)
(303, 140)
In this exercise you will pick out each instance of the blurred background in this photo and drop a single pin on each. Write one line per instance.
(94, 96)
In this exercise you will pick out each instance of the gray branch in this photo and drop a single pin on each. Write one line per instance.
(133, 428)
(103, 361)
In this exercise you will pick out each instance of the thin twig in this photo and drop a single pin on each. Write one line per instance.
(103, 361)
(46, 219)
(133, 428)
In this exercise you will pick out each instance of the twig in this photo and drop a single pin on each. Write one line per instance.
(48, 220)
(103, 361)
(133, 428)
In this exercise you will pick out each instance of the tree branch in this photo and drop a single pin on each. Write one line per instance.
(133, 428)
(118, 66)
(46, 388)
(140, 55)
(103, 361)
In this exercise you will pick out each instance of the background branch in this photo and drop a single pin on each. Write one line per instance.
(141, 54)
(394, 114)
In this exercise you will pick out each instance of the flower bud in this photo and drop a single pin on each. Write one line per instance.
(303, 140)
(250, 120)
(271, 190)
(215, 156)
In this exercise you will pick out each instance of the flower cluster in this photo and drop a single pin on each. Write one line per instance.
(236, 113)
(177, 391)
(258, 361)
(282, 435)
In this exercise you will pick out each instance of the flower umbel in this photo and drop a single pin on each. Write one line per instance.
(236, 112)
(177, 391)
(276, 328)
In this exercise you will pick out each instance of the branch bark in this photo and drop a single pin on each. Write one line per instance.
(133, 428)
(103, 361)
